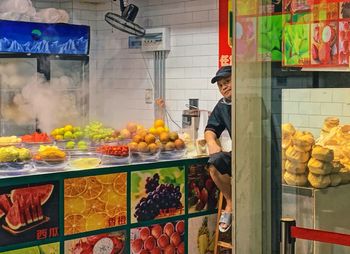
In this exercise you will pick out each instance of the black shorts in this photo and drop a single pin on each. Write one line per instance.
(221, 161)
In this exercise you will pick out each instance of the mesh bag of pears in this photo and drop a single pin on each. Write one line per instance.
(70, 137)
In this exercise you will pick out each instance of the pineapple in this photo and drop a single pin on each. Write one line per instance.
(203, 237)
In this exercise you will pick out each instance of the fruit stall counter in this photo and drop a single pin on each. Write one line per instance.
(160, 207)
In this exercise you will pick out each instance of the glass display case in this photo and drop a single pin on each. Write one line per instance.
(43, 67)
(291, 124)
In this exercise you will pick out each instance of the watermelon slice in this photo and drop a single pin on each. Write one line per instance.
(1, 213)
(5, 203)
(13, 217)
(27, 212)
(43, 191)
(22, 205)
(37, 205)
(33, 209)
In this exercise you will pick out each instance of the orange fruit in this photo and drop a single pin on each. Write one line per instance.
(106, 179)
(97, 221)
(73, 224)
(108, 194)
(94, 206)
(119, 184)
(116, 208)
(159, 123)
(74, 205)
(74, 186)
(93, 189)
(153, 131)
(160, 130)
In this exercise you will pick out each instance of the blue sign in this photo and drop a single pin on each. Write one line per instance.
(43, 38)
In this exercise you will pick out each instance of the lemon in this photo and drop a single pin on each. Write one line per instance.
(58, 137)
(61, 131)
(68, 127)
(153, 131)
(159, 123)
(160, 130)
(82, 163)
(54, 132)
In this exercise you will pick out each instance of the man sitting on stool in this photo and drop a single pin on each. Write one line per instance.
(219, 161)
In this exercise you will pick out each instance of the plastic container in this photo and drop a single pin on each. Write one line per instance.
(114, 160)
(15, 168)
(144, 156)
(84, 160)
(16, 144)
(34, 146)
(62, 144)
(50, 164)
(172, 155)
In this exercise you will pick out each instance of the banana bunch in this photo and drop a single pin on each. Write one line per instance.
(9, 140)
(203, 237)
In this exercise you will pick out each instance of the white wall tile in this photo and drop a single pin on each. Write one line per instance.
(201, 16)
(310, 108)
(321, 95)
(299, 95)
(331, 109)
(299, 120)
(290, 107)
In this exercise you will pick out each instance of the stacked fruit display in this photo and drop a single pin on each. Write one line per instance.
(14, 154)
(130, 130)
(118, 150)
(172, 147)
(10, 140)
(98, 133)
(22, 208)
(144, 142)
(161, 199)
(160, 238)
(81, 145)
(50, 153)
(36, 137)
(157, 138)
(111, 154)
(50, 157)
(158, 127)
(68, 132)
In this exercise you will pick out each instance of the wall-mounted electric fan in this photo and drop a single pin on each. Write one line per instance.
(125, 21)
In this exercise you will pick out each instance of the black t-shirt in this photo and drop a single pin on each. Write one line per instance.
(220, 119)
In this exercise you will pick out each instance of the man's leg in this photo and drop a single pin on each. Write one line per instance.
(223, 182)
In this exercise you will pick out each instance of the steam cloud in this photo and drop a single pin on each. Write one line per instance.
(23, 10)
(47, 101)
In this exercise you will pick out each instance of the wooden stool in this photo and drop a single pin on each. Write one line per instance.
(217, 243)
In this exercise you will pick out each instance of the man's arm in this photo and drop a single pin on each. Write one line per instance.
(213, 146)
